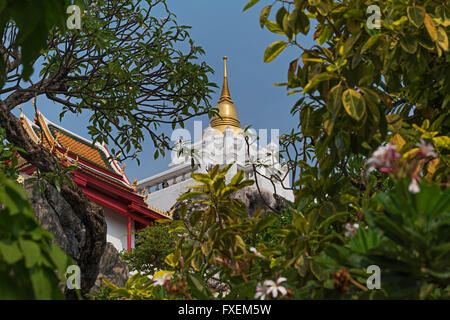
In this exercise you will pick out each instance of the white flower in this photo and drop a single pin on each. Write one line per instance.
(256, 252)
(414, 187)
(161, 280)
(20, 179)
(273, 287)
(261, 291)
(352, 229)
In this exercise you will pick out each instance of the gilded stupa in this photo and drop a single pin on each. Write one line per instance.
(228, 116)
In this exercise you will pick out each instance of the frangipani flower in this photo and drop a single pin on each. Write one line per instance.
(270, 287)
(261, 291)
(351, 229)
(273, 287)
(20, 179)
(256, 252)
(426, 150)
(414, 186)
(161, 277)
(386, 159)
(383, 159)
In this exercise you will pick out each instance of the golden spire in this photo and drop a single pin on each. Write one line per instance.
(225, 95)
(227, 109)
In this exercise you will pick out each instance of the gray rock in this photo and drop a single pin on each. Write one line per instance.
(112, 268)
(56, 216)
(254, 200)
(250, 196)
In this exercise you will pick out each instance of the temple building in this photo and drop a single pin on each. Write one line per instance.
(100, 177)
(222, 142)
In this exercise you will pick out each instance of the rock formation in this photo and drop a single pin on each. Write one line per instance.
(56, 216)
(249, 195)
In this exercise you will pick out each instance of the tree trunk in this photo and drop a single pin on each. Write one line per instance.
(88, 212)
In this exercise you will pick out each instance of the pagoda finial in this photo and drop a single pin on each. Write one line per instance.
(225, 95)
(228, 115)
(134, 183)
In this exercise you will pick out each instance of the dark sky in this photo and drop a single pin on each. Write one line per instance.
(222, 29)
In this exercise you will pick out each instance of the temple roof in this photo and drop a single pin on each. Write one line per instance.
(95, 162)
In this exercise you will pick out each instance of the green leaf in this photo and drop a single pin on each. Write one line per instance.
(354, 104)
(264, 15)
(442, 39)
(201, 177)
(171, 260)
(11, 252)
(281, 13)
(237, 177)
(41, 280)
(364, 240)
(31, 252)
(409, 44)
(250, 4)
(265, 222)
(416, 15)
(199, 290)
(369, 44)
(59, 258)
(190, 195)
(273, 27)
(274, 50)
(334, 105)
(318, 78)
(431, 28)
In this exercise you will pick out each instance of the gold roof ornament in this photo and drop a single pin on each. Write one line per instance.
(21, 113)
(227, 109)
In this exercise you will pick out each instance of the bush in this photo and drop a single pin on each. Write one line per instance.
(153, 244)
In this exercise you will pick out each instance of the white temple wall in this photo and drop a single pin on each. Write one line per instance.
(165, 198)
(117, 228)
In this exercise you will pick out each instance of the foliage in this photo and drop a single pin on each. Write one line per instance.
(142, 287)
(369, 159)
(131, 67)
(155, 78)
(34, 20)
(153, 244)
(361, 86)
(8, 157)
(407, 237)
(409, 242)
(31, 267)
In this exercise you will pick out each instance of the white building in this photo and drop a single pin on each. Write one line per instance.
(222, 142)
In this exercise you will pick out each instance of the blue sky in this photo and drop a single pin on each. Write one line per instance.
(222, 29)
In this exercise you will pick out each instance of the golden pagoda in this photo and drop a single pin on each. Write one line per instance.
(227, 110)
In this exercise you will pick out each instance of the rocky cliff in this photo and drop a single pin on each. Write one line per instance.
(56, 216)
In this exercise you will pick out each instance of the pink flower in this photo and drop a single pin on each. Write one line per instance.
(426, 150)
(383, 159)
